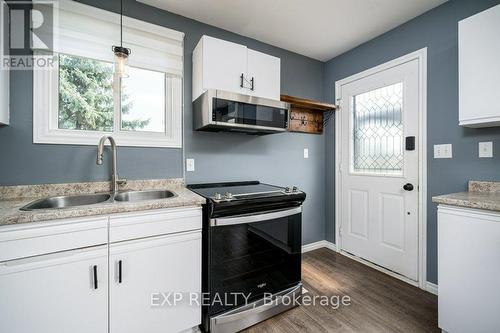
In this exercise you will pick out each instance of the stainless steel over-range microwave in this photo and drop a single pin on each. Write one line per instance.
(218, 110)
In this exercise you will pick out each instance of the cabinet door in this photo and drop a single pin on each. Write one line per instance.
(4, 97)
(223, 64)
(154, 270)
(4, 73)
(468, 270)
(265, 70)
(479, 69)
(62, 292)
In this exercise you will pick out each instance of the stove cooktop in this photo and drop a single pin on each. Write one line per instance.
(219, 192)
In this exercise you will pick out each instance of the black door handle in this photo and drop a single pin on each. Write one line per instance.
(408, 187)
(94, 271)
(119, 271)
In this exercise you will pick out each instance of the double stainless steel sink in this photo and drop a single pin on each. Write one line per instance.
(67, 201)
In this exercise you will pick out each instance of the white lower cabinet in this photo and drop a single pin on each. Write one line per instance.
(55, 293)
(82, 290)
(148, 276)
(468, 270)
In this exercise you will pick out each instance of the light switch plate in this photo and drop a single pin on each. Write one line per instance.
(190, 164)
(443, 151)
(486, 149)
(306, 152)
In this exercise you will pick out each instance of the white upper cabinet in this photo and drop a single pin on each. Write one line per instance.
(4, 97)
(223, 65)
(479, 69)
(218, 64)
(265, 71)
(4, 77)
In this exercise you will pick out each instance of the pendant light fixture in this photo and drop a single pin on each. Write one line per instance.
(121, 53)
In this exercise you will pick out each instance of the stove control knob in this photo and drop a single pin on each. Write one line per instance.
(217, 196)
(295, 189)
(228, 196)
(288, 189)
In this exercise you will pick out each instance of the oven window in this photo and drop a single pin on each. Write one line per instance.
(248, 114)
(254, 258)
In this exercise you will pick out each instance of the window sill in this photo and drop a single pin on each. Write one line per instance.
(133, 139)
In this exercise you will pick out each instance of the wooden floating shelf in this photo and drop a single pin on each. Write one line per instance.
(306, 115)
(307, 103)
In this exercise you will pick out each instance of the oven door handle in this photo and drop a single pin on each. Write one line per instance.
(260, 306)
(243, 219)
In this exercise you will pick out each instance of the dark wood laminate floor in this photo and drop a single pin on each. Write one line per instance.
(379, 303)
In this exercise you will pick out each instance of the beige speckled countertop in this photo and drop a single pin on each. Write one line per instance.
(481, 195)
(14, 197)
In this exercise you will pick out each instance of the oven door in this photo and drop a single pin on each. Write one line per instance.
(253, 254)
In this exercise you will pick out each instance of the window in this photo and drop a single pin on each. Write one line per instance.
(143, 101)
(378, 130)
(79, 100)
(85, 94)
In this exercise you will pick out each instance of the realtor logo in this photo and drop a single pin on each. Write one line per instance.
(27, 33)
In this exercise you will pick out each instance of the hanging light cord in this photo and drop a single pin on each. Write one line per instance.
(120, 50)
(121, 23)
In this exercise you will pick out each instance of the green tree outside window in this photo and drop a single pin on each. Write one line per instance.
(86, 96)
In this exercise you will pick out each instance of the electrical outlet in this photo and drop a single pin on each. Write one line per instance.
(190, 164)
(486, 149)
(443, 151)
(306, 152)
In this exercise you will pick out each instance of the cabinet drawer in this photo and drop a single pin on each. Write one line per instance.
(32, 239)
(139, 225)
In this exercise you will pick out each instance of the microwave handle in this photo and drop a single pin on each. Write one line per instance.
(243, 219)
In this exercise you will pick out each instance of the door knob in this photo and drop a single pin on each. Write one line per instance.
(408, 187)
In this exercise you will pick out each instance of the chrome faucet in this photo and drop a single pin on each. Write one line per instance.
(115, 181)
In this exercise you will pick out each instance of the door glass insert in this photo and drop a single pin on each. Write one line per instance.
(377, 130)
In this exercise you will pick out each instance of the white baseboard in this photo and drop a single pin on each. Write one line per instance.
(318, 245)
(431, 287)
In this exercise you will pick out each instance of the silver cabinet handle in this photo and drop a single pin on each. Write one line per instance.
(251, 218)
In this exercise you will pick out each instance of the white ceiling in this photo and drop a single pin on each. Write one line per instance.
(320, 29)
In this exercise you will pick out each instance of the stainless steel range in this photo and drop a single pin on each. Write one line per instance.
(251, 252)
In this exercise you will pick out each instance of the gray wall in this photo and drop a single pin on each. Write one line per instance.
(275, 158)
(436, 30)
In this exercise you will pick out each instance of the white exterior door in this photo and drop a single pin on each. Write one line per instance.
(164, 264)
(61, 292)
(379, 176)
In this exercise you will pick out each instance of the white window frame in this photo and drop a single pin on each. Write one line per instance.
(46, 109)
